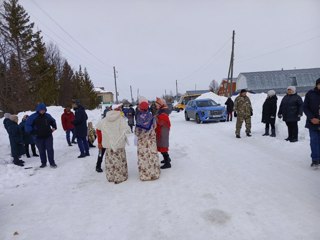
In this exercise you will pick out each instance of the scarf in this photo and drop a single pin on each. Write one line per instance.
(144, 120)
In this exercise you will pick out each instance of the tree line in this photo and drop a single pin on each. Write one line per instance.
(32, 71)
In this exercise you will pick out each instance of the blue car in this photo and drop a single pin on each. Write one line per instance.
(205, 110)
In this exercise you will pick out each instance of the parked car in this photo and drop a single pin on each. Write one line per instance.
(183, 101)
(205, 110)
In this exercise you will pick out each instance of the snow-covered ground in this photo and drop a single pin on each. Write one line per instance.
(219, 187)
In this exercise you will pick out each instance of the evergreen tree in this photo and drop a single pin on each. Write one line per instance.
(17, 30)
(42, 76)
(66, 85)
(88, 91)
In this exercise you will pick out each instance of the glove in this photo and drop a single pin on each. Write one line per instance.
(279, 115)
(251, 113)
(235, 114)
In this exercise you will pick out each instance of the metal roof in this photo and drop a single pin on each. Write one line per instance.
(301, 78)
(192, 92)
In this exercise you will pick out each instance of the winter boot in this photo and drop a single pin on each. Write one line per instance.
(167, 161)
(17, 162)
(166, 165)
(33, 148)
(249, 135)
(238, 136)
(273, 133)
(26, 148)
(266, 133)
(99, 169)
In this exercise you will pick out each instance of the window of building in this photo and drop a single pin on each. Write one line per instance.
(294, 81)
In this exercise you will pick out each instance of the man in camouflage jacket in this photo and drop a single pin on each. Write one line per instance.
(243, 110)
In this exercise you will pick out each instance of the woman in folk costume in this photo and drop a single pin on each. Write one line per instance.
(114, 129)
(148, 159)
(162, 131)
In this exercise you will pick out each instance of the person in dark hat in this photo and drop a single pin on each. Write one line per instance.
(311, 108)
(243, 111)
(80, 128)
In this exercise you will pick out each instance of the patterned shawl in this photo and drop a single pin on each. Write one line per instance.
(144, 120)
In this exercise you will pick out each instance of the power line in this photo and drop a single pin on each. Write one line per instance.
(279, 49)
(69, 35)
(208, 62)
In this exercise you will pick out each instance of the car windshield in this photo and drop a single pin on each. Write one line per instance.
(207, 103)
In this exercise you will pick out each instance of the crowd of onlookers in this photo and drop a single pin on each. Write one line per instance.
(290, 110)
(152, 127)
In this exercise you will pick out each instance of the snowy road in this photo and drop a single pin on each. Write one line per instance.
(219, 187)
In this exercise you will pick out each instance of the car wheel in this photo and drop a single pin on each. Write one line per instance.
(198, 118)
(186, 116)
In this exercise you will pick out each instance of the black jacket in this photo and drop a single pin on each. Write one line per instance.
(269, 110)
(230, 105)
(80, 122)
(16, 141)
(291, 108)
(311, 108)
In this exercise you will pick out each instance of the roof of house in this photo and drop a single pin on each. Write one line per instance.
(304, 78)
(192, 92)
(100, 90)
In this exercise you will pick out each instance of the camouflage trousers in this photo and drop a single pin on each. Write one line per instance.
(247, 120)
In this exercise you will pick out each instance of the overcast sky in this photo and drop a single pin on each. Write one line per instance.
(153, 43)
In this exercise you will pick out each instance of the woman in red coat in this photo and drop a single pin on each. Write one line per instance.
(162, 131)
(66, 119)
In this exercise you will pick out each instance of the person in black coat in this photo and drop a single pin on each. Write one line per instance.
(41, 124)
(311, 108)
(80, 128)
(230, 106)
(291, 109)
(131, 116)
(16, 141)
(269, 111)
(28, 139)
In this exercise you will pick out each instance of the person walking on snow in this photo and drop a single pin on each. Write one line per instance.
(148, 158)
(230, 105)
(243, 111)
(291, 109)
(131, 117)
(311, 108)
(42, 125)
(162, 132)
(66, 120)
(269, 111)
(80, 128)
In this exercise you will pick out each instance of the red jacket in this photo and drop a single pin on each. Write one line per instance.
(67, 119)
(162, 132)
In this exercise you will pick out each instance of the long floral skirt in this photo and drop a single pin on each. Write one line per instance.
(148, 159)
(116, 165)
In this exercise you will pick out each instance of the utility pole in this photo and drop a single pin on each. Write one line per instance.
(115, 83)
(230, 73)
(176, 89)
(131, 94)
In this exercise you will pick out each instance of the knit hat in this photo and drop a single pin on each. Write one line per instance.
(243, 90)
(292, 88)
(144, 106)
(318, 81)
(271, 93)
(7, 115)
(161, 102)
(116, 106)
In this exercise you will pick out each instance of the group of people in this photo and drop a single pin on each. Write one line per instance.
(152, 133)
(290, 110)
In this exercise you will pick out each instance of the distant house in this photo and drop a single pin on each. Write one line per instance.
(223, 89)
(302, 79)
(104, 96)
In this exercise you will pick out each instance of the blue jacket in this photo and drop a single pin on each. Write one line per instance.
(40, 124)
(311, 108)
(80, 122)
